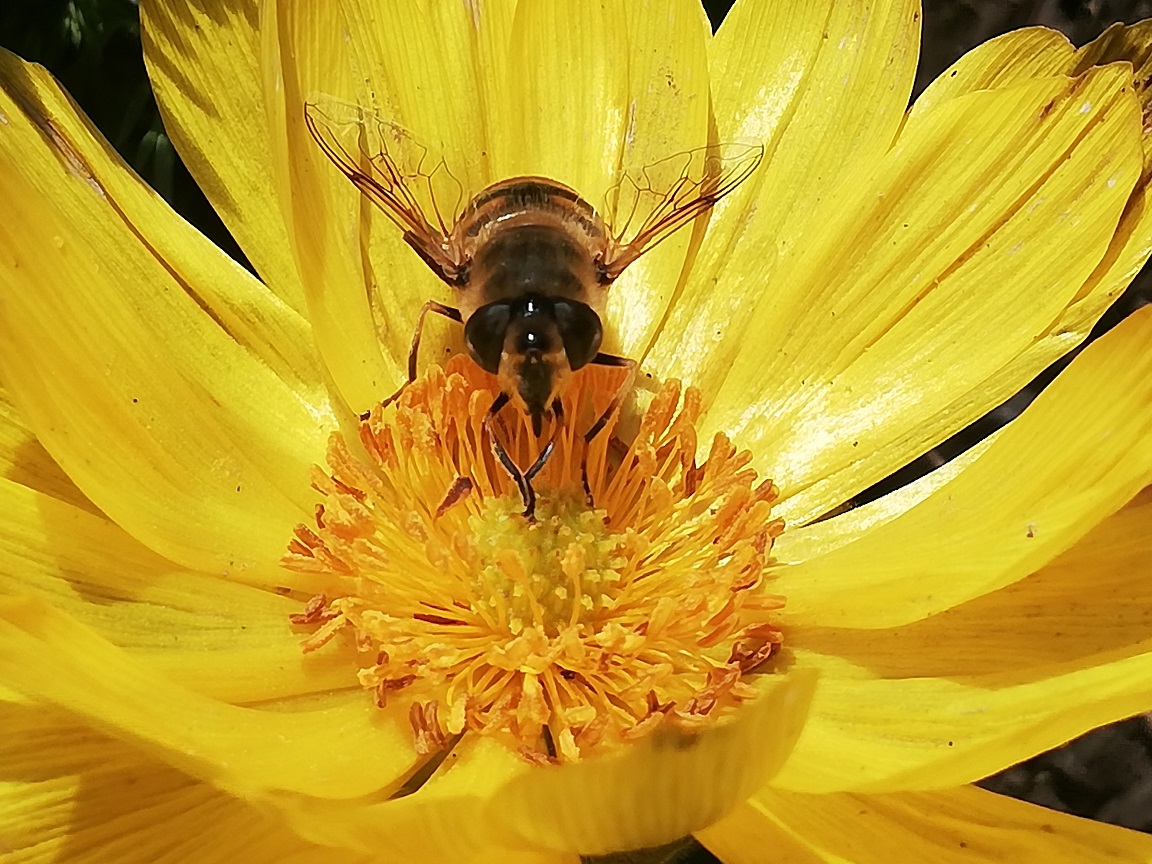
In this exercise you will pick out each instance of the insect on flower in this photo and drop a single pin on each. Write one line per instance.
(529, 260)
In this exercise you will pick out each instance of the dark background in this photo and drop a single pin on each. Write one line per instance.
(93, 47)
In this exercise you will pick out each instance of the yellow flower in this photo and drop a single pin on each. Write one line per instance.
(886, 276)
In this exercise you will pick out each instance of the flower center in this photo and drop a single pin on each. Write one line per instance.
(554, 575)
(580, 630)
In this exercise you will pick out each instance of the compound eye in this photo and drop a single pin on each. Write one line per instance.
(484, 334)
(580, 329)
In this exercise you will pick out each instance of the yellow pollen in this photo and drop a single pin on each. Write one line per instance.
(582, 630)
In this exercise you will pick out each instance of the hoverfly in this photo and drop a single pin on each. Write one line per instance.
(529, 261)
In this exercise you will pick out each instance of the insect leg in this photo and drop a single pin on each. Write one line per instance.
(558, 414)
(414, 350)
(523, 479)
(609, 412)
(425, 769)
(518, 477)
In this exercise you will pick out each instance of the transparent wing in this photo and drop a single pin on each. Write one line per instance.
(396, 174)
(665, 196)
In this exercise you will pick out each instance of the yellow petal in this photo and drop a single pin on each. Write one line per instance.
(964, 825)
(177, 393)
(990, 682)
(930, 281)
(1076, 455)
(1025, 54)
(24, 460)
(68, 793)
(224, 640)
(303, 46)
(428, 69)
(567, 69)
(662, 788)
(451, 818)
(1121, 42)
(825, 536)
(668, 114)
(61, 154)
(824, 87)
(204, 64)
(1132, 244)
(1043, 625)
(1008, 60)
(868, 733)
(486, 798)
(1035, 52)
(338, 746)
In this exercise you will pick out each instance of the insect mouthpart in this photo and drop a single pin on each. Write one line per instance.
(536, 387)
(534, 363)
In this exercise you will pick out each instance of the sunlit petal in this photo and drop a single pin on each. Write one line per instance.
(451, 818)
(1042, 625)
(1080, 451)
(667, 114)
(332, 746)
(872, 733)
(204, 64)
(662, 789)
(24, 461)
(824, 87)
(947, 265)
(1008, 60)
(176, 391)
(233, 642)
(965, 826)
(68, 793)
